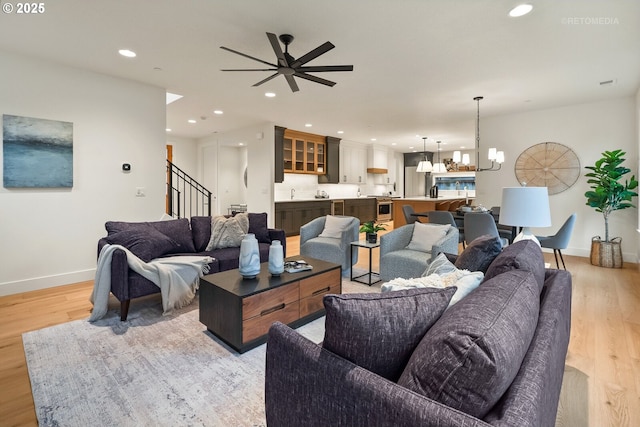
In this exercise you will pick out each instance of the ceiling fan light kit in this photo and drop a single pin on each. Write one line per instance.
(290, 67)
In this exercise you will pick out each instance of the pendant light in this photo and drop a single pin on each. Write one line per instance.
(424, 165)
(494, 155)
(439, 167)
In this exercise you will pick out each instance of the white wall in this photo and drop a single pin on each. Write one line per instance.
(589, 129)
(259, 158)
(49, 236)
(185, 154)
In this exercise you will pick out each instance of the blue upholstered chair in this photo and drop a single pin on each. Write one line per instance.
(446, 217)
(560, 240)
(396, 260)
(477, 224)
(330, 249)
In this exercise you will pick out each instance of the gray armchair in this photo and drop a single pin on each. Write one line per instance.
(328, 248)
(398, 261)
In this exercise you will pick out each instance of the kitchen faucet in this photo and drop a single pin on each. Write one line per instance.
(293, 192)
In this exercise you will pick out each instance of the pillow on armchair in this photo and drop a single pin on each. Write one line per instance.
(334, 226)
(426, 235)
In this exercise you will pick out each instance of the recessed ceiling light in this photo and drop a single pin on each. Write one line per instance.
(241, 144)
(191, 120)
(520, 10)
(308, 125)
(393, 143)
(410, 148)
(171, 97)
(373, 139)
(218, 112)
(270, 95)
(168, 129)
(128, 53)
(340, 132)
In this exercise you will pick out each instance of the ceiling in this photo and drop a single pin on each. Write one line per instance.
(418, 64)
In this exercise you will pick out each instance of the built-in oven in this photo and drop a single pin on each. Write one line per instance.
(385, 209)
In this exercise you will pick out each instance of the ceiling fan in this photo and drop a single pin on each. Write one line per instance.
(290, 67)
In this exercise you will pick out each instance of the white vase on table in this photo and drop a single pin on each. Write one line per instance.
(249, 261)
(276, 258)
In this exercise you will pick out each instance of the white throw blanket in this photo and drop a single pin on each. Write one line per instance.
(177, 277)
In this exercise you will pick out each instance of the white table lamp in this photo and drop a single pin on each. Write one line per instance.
(525, 207)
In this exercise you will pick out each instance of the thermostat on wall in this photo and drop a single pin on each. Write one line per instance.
(126, 167)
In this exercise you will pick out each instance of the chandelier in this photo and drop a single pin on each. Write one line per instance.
(496, 157)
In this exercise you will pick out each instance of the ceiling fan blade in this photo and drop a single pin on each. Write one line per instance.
(315, 79)
(275, 44)
(324, 68)
(251, 69)
(312, 55)
(266, 80)
(292, 83)
(247, 56)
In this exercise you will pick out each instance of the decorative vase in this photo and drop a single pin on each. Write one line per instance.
(606, 254)
(249, 261)
(276, 258)
(372, 237)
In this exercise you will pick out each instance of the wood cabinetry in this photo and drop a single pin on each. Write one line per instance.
(332, 175)
(304, 153)
(363, 209)
(240, 312)
(290, 216)
(353, 163)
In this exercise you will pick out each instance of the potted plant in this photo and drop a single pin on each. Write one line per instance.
(608, 194)
(371, 229)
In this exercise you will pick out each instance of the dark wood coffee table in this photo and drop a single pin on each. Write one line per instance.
(240, 311)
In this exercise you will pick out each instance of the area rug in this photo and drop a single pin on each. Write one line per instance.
(151, 370)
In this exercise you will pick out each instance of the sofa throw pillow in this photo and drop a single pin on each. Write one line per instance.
(479, 254)
(380, 331)
(201, 231)
(470, 356)
(426, 235)
(523, 255)
(228, 232)
(258, 226)
(440, 265)
(177, 230)
(464, 281)
(145, 242)
(334, 226)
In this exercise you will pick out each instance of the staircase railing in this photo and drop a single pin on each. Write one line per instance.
(185, 195)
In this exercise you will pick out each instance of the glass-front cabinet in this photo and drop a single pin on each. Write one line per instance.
(304, 153)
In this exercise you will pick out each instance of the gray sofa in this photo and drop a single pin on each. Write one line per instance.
(182, 236)
(309, 385)
(396, 260)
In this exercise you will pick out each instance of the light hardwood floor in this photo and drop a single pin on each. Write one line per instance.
(603, 360)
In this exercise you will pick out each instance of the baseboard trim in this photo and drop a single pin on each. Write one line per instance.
(36, 283)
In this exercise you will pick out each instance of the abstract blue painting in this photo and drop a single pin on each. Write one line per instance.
(37, 153)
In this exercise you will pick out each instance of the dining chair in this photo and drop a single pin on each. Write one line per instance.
(560, 240)
(408, 212)
(443, 206)
(446, 217)
(477, 224)
(505, 231)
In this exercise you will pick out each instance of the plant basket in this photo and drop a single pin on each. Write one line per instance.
(606, 254)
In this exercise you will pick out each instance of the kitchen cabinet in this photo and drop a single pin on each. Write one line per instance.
(363, 209)
(332, 175)
(290, 216)
(353, 163)
(279, 154)
(303, 153)
(377, 159)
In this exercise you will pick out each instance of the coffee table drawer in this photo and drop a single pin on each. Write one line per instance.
(258, 326)
(312, 304)
(319, 284)
(264, 302)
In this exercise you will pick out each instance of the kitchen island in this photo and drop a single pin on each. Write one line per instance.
(421, 204)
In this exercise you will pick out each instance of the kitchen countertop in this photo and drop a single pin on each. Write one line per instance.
(439, 199)
(325, 199)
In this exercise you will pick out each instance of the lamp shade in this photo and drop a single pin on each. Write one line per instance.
(525, 207)
(424, 166)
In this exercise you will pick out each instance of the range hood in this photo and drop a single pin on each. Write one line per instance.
(377, 159)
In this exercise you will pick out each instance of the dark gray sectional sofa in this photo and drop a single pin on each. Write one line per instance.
(496, 358)
(182, 236)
